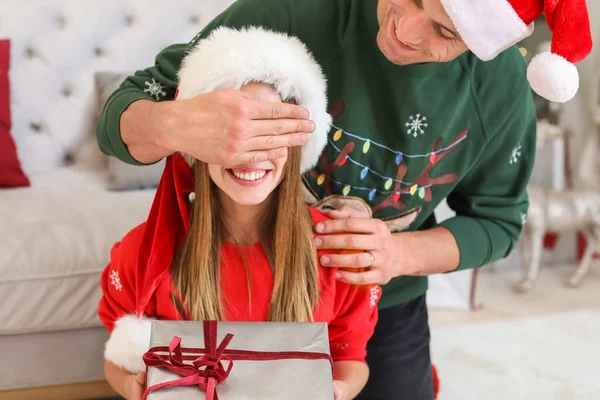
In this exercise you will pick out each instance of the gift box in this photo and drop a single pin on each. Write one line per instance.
(238, 361)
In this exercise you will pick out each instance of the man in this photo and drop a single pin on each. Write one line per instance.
(417, 119)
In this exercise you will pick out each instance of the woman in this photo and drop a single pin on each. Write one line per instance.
(235, 244)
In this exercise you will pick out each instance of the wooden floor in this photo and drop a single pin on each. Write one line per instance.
(79, 391)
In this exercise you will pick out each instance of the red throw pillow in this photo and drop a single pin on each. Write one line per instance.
(11, 174)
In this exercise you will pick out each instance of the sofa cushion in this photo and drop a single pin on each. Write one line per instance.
(122, 176)
(11, 174)
(56, 238)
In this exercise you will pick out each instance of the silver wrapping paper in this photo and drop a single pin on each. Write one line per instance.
(265, 380)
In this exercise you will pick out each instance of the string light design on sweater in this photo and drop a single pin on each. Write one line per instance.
(366, 169)
(421, 185)
(394, 187)
(372, 192)
(399, 154)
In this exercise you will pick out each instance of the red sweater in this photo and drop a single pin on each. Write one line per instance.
(350, 311)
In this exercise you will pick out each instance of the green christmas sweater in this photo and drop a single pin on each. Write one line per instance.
(404, 137)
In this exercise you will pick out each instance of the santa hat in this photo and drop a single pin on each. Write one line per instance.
(489, 27)
(164, 231)
(230, 58)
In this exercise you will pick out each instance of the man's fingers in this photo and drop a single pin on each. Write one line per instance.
(141, 379)
(267, 127)
(358, 260)
(346, 212)
(253, 157)
(347, 225)
(338, 391)
(360, 278)
(258, 143)
(347, 242)
(275, 110)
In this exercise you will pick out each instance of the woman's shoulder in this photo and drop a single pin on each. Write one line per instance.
(134, 236)
(125, 251)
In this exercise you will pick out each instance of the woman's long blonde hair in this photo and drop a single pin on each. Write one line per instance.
(287, 240)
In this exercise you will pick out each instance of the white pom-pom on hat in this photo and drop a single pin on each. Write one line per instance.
(492, 26)
(553, 77)
(128, 342)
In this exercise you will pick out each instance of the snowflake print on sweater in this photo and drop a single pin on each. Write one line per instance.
(340, 346)
(115, 280)
(155, 89)
(375, 294)
(195, 39)
(516, 154)
(416, 125)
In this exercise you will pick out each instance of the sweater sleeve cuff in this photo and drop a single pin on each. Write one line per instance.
(473, 240)
(109, 125)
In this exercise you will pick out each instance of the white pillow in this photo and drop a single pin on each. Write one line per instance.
(123, 176)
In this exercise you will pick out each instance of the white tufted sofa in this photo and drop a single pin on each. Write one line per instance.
(56, 235)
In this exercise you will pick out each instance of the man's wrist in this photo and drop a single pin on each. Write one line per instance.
(144, 130)
(427, 252)
(406, 257)
(160, 116)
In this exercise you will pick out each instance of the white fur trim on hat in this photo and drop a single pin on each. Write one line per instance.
(128, 342)
(488, 27)
(553, 77)
(229, 59)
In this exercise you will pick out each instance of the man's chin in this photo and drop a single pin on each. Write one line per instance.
(406, 62)
(394, 59)
(386, 49)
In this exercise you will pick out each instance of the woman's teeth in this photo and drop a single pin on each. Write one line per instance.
(249, 176)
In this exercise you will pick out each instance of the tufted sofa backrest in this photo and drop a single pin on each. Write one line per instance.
(58, 45)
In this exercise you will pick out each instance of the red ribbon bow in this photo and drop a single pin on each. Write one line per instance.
(205, 371)
(208, 370)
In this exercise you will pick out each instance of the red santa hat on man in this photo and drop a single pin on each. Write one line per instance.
(489, 27)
